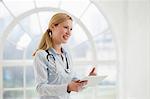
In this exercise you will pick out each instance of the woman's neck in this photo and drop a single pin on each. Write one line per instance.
(57, 47)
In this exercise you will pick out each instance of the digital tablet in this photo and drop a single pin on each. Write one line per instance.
(93, 80)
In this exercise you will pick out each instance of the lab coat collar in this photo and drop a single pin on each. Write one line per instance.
(54, 51)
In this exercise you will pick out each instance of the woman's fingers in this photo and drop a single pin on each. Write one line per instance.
(77, 81)
(80, 84)
(93, 72)
(77, 85)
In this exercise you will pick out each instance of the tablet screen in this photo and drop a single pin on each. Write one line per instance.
(93, 80)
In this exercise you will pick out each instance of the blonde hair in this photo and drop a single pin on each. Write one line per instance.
(46, 41)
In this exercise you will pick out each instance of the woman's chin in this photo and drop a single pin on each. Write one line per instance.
(65, 41)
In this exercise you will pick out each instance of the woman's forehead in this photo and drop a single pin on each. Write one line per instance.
(67, 22)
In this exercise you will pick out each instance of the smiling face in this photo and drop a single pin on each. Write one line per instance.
(61, 32)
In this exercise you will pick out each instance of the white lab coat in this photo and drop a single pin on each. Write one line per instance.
(51, 77)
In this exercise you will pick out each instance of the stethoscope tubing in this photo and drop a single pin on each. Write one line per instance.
(67, 70)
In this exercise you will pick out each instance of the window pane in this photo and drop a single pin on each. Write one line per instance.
(77, 6)
(15, 34)
(82, 51)
(47, 3)
(94, 20)
(29, 76)
(18, 7)
(31, 24)
(78, 36)
(82, 70)
(13, 95)
(44, 19)
(105, 46)
(5, 18)
(12, 77)
(10, 47)
(110, 71)
(32, 47)
(31, 94)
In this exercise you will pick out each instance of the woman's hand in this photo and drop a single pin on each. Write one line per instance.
(76, 85)
(93, 72)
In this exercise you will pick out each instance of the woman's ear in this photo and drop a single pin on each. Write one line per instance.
(53, 26)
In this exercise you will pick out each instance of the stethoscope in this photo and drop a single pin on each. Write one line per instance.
(67, 69)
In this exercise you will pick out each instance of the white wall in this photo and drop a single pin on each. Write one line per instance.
(130, 21)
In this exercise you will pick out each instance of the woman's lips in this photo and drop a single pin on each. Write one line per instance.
(66, 37)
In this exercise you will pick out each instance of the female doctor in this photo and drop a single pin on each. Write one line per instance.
(54, 75)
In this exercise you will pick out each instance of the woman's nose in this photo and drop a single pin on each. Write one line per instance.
(69, 32)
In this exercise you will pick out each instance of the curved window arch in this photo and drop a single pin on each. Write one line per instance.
(22, 29)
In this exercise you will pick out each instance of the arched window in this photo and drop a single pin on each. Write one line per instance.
(23, 21)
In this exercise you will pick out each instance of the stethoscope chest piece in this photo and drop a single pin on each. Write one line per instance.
(68, 71)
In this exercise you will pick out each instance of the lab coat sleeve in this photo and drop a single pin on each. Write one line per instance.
(41, 77)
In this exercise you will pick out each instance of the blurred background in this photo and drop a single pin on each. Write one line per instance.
(112, 35)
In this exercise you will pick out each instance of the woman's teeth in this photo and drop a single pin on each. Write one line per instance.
(65, 37)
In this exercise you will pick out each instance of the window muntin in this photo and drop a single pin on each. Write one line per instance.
(38, 24)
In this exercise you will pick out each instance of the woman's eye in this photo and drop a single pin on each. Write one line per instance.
(65, 27)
